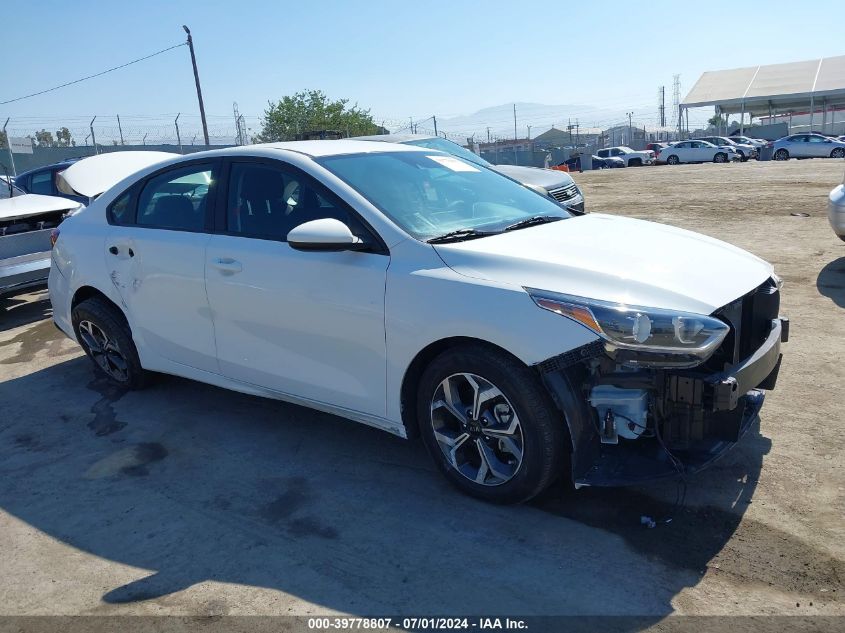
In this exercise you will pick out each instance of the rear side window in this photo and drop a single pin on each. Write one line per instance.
(42, 183)
(121, 210)
(177, 199)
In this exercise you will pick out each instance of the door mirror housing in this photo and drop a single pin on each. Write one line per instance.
(326, 234)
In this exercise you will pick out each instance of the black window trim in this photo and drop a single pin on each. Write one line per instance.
(379, 247)
(136, 188)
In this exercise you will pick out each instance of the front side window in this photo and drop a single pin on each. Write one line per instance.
(266, 201)
(429, 195)
(176, 199)
(42, 183)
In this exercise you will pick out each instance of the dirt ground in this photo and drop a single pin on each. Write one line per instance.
(187, 499)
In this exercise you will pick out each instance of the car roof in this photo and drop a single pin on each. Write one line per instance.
(314, 149)
(393, 138)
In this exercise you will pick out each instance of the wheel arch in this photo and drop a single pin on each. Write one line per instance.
(84, 293)
(408, 389)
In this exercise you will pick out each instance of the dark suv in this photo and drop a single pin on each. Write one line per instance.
(43, 180)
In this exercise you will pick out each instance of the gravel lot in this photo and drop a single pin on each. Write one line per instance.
(187, 499)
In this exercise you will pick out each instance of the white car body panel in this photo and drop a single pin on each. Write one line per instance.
(337, 331)
(836, 210)
(624, 260)
(32, 204)
(302, 322)
(626, 154)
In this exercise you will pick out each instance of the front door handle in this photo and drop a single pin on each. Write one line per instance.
(227, 265)
(113, 250)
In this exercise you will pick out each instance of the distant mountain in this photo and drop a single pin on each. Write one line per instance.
(539, 116)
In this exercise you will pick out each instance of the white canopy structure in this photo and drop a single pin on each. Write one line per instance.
(765, 91)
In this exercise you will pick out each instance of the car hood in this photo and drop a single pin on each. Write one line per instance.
(92, 176)
(31, 204)
(546, 178)
(614, 259)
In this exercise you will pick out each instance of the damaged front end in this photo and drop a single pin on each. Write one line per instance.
(631, 418)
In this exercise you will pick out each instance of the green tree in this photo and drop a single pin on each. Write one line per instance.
(715, 121)
(295, 116)
(63, 138)
(44, 139)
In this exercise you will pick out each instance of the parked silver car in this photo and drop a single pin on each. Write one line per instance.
(808, 146)
(836, 210)
(556, 184)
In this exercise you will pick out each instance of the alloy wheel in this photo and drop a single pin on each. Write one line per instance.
(103, 350)
(477, 429)
(838, 153)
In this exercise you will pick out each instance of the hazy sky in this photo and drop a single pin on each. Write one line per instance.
(399, 59)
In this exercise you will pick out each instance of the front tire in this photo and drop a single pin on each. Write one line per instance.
(839, 152)
(673, 160)
(489, 425)
(105, 337)
(781, 154)
(720, 157)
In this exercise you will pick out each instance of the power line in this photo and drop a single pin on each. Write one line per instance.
(70, 83)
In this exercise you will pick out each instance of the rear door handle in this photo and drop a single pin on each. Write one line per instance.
(227, 265)
(113, 250)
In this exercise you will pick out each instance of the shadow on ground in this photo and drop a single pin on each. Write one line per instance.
(195, 483)
(831, 281)
(20, 310)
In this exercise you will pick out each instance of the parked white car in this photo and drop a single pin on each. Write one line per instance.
(631, 157)
(836, 210)
(808, 146)
(423, 294)
(745, 150)
(696, 152)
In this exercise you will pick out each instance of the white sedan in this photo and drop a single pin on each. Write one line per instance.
(425, 295)
(696, 152)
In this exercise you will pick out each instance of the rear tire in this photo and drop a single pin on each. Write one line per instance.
(673, 160)
(781, 154)
(104, 335)
(508, 447)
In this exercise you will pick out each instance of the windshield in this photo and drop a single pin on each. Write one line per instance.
(441, 144)
(429, 195)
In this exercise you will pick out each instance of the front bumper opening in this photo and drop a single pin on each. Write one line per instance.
(626, 425)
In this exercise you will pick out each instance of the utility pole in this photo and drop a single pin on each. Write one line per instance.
(577, 129)
(630, 129)
(488, 135)
(93, 138)
(569, 127)
(9, 145)
(661, 108)
(412, 124)
(120, 129)
(178, 138)
(434, 118)
(529, 132)
(197, 81)
(515, 158)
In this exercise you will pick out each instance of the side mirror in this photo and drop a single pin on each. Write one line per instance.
(327, 234)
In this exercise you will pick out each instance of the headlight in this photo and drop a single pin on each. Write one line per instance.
(635, 335)
(541, 190)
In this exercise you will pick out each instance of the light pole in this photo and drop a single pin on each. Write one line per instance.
(630, 133)
(9, 145)
(197, 81)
